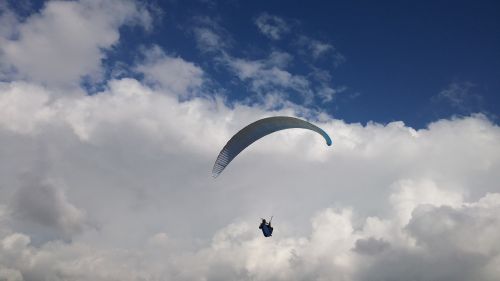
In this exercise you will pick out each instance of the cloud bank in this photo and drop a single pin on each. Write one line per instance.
(117, 185)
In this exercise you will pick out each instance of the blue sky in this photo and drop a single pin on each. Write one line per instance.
(112, 113)
(389, 60)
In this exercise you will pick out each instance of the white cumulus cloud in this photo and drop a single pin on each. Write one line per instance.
(66, 40)
(137, 164)
(173, 74)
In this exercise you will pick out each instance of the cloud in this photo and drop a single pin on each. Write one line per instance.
(268, 75)
(320, 50)
(133, 159)
(66, 41)
(173, 74)
(16, 100)
(335, 248)
(452, 243)
(210, 36)
(371, 246)
(327, 93)
(270, 78)
(412, 194)
(207, 39)
(325, 90)
(8, 20)
(460, 96)
(273, 27)
(317, 48)
(41, 207)
(470, 229)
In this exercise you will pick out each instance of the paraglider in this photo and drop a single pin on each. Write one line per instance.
(266, 227)
(254, 132)
(257, 130)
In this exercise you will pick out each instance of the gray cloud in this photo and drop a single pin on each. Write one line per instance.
(452, 243)
(39, 206)
(371, 246)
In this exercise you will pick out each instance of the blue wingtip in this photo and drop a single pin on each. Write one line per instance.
(328, 140)
(326, 137)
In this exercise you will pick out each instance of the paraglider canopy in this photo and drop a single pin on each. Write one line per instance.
(257, 130)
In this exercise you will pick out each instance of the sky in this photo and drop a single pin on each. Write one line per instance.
(113, 112)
